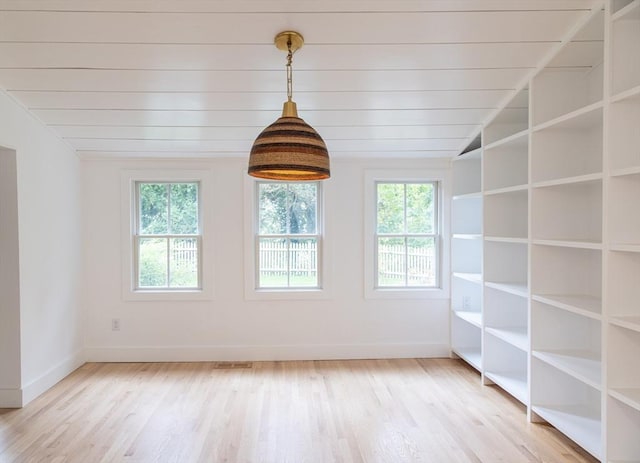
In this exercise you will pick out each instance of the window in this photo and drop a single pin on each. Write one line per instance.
(288, 235)
(406, 235)
(167, 236)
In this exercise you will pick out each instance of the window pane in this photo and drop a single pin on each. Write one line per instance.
(390, 208)
(391, 262)
(273, 263)
(302, 203)
(153, 208)
(184, 209)
(183, 265)
(420, 208)
(272, 212)
(421, 266)
(303, 258)
(152, 262)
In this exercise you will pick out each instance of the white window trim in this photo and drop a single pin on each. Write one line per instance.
(372, 177)
(128, 181)
(250, 262)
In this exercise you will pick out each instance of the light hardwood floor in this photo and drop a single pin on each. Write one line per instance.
(387, 411)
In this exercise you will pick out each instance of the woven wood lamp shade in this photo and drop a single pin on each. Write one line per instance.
(289, 149)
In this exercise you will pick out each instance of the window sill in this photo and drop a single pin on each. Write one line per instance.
(173, 295)
(301, 294)
(406, 293)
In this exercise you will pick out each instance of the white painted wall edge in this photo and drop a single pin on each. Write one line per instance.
(54, 375)
(10, 398)
(264, 353)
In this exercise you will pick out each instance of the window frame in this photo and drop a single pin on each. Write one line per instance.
(252, 270)
(435, 235)
(129, 179)
(137, 236)
(439, 173)
(288, 236)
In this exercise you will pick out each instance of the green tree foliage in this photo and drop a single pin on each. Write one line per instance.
(405, 208)
(287, 208)
(168, 208)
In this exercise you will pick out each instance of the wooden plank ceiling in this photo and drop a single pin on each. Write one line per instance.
(201, 78)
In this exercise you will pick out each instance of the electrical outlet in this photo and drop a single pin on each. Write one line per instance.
(466, 302)
(115, 324)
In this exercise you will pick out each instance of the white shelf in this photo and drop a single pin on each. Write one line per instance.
(509, 189)
(624, 289)
(579, 244)
(625, 34)
(624, 222)
(584, 366)
(568, 152)
(520, 136)
(506, 164)
(501, 239)
(628, 396)
(630, 322)
(629, 94)
(587, 306)
(624, 247)
(474, 318)
(517, 336)
(472, 356)
(568, 212)
(629, 11)
(511, 121)
(514, 287)
(467, 236)
(569, 180)
(578, 423)
(567, 117)
(506, 213)
(475, 194)
(472, 277)
(624, 119)
(634, 170)
(514, 382)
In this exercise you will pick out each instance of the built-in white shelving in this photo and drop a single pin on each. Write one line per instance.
(505, 214)
(568, 212)
(466, 259)
(567, 278)
(571, 405)
(506, 365)
(623, 445)
(625, 36)
(570, 150)
(512, 119)
(624, 227)
(466, 341)
(558, 321)
(506, 163)
(576, 352)
(624, 136)
(573, 79)
(622, 236)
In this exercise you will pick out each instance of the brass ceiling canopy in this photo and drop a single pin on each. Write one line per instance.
(289, 149)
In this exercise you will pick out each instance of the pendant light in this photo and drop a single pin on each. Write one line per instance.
(289, 149)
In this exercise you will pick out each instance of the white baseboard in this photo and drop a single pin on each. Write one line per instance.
(10, 398)
(257, 353)
(55, 374)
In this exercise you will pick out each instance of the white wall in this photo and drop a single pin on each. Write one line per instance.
(344, 324)
(49, 225)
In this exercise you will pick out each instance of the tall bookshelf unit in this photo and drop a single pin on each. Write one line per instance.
(466, 259)
(558, 324)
